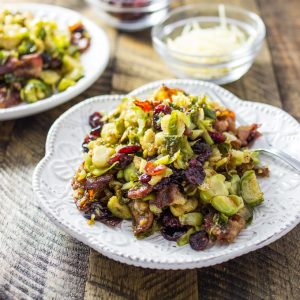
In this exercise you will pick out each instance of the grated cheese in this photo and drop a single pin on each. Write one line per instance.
(210, 45)
(213, 41)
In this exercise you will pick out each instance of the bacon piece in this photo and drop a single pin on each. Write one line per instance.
(233, 228)
(221, 125)
(31, 65)
(142, 216)
(140, 192)
(27, 66)
(169, 194)
(248, 134)
(9, 97)
(98, 183)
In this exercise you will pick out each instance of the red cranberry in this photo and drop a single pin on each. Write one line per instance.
(161, 108)
(95, 119)
(145, 178)
(123, 160)
(199, 240)
(217, 137)
(130, 149)
(172, 234)
(96, 131)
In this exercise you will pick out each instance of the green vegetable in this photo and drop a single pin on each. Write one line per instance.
(50, 77)
(118, 209)
(153, 208)
(250, 189)
(35, 90)
(192, 219)
(234, 188)
(229, 205)
(120, 174)
(4, 55)
(65, 83)
(130, 173)
(209, 113)
(246, 213)
(173, 124)
(27, 47)
(98, 172)
(184, 239)
(128, 185)
(149, 197)
(213, 186)
(173, 143)
(180, 209)
(205, 134)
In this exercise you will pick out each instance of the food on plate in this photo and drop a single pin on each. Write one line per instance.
(174, 163)
(37, 58)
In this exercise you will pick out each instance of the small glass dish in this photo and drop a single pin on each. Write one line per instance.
(219, 69)
(131, 15)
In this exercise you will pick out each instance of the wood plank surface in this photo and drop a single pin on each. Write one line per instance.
(39, 261)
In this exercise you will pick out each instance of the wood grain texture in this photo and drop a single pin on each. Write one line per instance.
(38, 261)
(283, 25)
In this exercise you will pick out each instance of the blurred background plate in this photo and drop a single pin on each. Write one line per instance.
(94, 60)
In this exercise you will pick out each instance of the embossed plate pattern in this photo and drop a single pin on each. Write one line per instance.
(275, 217)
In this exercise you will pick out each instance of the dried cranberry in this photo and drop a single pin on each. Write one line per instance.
(102, 214)
(86, 141)
(161, 108)
(95, 119)
(130, 149)
(123, 159)
(177, 178)
(168, 220)
(172, 234)
(195, 173)
(85, 147)
(145, 178)
(199, 240)
(217, 137)
(202, 149)
(159, 111)
(50, 62)
(56, 63)
(96, 131)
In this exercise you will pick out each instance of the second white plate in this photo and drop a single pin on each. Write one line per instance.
(94, 59)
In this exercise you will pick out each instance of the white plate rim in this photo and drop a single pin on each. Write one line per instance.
(25, 110)
(130, 260)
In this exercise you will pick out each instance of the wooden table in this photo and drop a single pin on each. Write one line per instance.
(38, 260)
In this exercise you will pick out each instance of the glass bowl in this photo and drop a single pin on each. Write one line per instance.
(219, 69)
(131, 15)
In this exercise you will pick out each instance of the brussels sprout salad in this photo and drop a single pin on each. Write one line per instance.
(175, 164)
(37, 58)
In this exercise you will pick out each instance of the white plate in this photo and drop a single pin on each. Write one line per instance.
(94, 59)
(275, 217)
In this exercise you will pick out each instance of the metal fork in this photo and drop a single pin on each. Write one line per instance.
(262, 144)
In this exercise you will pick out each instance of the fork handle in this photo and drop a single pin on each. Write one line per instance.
(293, 162)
